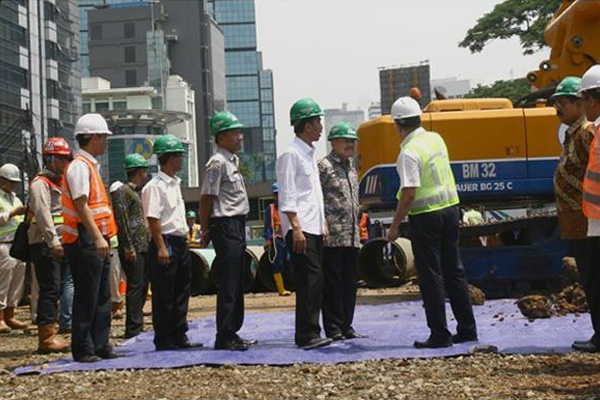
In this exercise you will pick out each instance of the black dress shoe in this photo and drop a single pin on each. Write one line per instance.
(432, 344)
(463, 338)
(88, 359)
(166, 347)
(353, 335)
(108, 354)
(337, 337)
(588, 347)
(315, 342)
(186, 344)
(247, 342)
(231, 345)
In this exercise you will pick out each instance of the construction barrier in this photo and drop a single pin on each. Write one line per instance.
(383, 263)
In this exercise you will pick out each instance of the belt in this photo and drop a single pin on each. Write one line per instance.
(175, 238)
(235, 218)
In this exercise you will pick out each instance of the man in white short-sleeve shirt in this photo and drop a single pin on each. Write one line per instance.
(169, 263)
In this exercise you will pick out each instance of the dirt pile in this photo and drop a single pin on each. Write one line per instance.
(570, 300)
(477, 296)
(536, 306)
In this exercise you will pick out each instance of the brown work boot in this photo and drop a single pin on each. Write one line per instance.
(3, 327)
(11, 321)
(49, 342)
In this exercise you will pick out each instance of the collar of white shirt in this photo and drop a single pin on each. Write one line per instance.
(306, 148)
(227, 154)
(597, 122)
(168, 179)
(87, 155)
(412, 135)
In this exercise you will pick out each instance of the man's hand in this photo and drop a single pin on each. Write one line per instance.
(326, 233)
(21, 210)
(102, 247)
(205, 238)
(392, 233)
(131, 256)
(163, 257)
(58, 252)
(299, 241)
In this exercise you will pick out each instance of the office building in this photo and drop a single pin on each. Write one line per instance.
(397, 81)
(40, 87)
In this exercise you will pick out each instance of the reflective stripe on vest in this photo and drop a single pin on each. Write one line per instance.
(438, 189)
(57, 217)
(275, 222)
(98, 203)
(7, 232)
(194, 233)
(591, 181)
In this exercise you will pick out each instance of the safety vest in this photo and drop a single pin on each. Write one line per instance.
(194, 235)
(98, 202)
(7, 232)
(591, 181)
(363, 228)
(275, 222)
(57, 216)
(438, 189)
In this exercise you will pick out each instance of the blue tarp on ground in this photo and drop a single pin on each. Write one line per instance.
(392, 329)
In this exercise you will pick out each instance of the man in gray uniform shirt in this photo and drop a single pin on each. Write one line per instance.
(223, 209)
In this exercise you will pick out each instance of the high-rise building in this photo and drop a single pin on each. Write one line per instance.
(397, 81)
(39, 72)
(249, 86)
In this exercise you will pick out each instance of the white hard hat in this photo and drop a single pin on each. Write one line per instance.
(10, 172)
(591, 79)
(406, 107)
(91, 123)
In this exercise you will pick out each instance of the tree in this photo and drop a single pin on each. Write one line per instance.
(513, 89)
(525, 19)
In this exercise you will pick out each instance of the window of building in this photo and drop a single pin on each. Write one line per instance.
(129, 54)
(119, 105)
(86, 108)
(101, 106)
(129, 29)
(96, 32)
(130, 78)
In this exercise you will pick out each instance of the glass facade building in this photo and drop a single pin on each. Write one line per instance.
(249, 87)
(39, 72)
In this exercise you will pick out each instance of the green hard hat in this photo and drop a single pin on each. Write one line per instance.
(133, 161)
(168, 144)
(567, 87)
(303, 109)
(342, 130)
(223, 121)
(191, 214)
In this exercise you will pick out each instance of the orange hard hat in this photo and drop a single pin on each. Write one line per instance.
(415, 93)
(56, 146)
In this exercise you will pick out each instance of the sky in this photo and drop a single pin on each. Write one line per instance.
(331, 49)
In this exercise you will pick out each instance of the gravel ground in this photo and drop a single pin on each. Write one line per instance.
(571, 376)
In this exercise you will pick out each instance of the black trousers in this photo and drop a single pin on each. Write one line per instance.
(308, 274)
(170, 290)
(48, 273)
(137, 288)
(587, 256)
(91, 301)
(229, 240)
(435, 245)
(340, 270)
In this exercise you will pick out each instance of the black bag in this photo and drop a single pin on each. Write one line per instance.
(20, 244)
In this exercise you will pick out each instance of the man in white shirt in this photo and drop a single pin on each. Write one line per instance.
(590, 277)
(89, 224)
(303, 219)
(169, 263)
